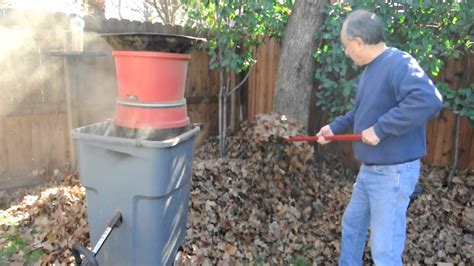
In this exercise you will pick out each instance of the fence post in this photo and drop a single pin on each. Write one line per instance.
(69, 110)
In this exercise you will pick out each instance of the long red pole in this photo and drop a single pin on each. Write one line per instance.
(349, 137)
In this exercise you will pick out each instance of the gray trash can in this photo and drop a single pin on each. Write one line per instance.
(147, 181)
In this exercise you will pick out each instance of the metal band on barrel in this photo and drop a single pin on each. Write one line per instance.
(179, 103)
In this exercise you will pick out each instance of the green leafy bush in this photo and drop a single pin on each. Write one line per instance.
(432, 32)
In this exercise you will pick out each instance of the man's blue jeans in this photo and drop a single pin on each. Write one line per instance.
(379, 200)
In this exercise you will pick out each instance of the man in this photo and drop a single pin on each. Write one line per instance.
(394, 101)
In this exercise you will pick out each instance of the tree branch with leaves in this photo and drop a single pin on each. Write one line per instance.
(236, 29)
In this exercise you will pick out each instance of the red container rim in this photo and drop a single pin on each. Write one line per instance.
(152, 54)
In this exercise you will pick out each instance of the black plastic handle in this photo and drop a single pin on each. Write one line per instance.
(77, 250)
(114, 223)
(89, 256)
(116, 220)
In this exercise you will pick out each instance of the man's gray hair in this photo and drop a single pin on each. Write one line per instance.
(366, 25)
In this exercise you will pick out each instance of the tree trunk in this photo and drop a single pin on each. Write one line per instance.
(296, 68)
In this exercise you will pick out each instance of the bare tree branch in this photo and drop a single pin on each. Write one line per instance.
(242, 82)
(175, 8)
(158, 9)
(167, 10)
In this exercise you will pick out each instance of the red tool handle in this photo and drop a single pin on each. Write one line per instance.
(350, 137)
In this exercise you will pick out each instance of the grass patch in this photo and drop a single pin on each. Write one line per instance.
(13, 244)
(301, 262)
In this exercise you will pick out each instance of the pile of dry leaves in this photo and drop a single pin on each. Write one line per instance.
(269, 201)
(50, 219)
(276, 202)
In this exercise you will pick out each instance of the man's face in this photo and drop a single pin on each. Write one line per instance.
(352, 48)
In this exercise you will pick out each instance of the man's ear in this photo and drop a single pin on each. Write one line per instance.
(359, 42)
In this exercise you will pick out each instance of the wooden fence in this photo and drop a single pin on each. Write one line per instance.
(440, 132)
(262, 79)
(46, 91)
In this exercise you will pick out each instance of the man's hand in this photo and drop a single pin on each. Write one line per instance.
(369, 136)
(324, 131)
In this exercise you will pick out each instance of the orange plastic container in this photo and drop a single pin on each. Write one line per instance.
(150, 76)
(151, 118)
(151, 90)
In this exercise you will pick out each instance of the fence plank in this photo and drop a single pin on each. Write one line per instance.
(18, 146)
(261, 80)
(148, 27)
(158, 27)
(448, 142)
(204, 74)
(215, 85)
(449, 71)
(48, 140)
(465, 143)
(110, 25)
(275, 56)
(264, 79)
(193, 88)
(3, 138)
(470, 164)
(440, 128)
(271, 75)
(251, 94)
(430, 138)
